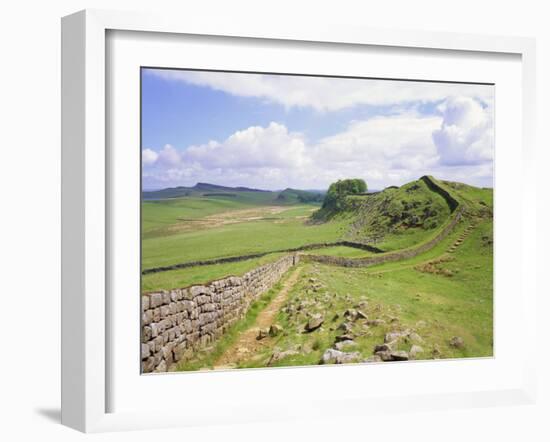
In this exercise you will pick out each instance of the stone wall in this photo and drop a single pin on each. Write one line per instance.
(435, 187)
(390, 256)
(238, 258)
(457, 211)
(177, 323)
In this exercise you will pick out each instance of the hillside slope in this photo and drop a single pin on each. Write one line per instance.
(401, 215)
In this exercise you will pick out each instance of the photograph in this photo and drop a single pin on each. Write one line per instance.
(308, 220)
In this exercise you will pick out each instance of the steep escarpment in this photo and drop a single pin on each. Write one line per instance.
(413, 210)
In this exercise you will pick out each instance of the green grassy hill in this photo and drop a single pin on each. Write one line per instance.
(398, 217)
(215, 222)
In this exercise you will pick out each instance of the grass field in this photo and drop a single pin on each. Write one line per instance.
(433, 297)
(201, 274)
(453, 298)
(222, 233)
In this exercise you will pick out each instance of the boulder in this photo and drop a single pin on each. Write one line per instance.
(262, 333)
(345, 327)
(344, 344)
(275, 330)
(456, 342)
(342, 338)
(383, 347)
(348, 358)
(361, 315)
(314, 323)
(278, 355)
(393, 336)
(384, 355)
(399, 355)
(332, 356)
(374, 358)
(350, 314)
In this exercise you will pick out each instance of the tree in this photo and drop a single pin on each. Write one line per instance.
(337, 192)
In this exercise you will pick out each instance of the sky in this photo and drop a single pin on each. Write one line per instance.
(276, 131)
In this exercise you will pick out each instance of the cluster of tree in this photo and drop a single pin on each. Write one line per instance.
(337, 192)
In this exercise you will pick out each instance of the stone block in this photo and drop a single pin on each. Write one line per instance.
(145, 303)
(148, 365)
(156, 315)
(145, 351)
(146, 333)
(164, 311)
(156, 299)
(155, 329)
(147, 317)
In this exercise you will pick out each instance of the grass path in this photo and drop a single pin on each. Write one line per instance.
(247, 343)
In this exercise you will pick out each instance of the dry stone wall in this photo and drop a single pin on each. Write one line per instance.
(177, 323)
(390, 256)
(457, 211)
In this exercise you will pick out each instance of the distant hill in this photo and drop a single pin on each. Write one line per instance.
(245, 194)
(216, 188)
(199, 189)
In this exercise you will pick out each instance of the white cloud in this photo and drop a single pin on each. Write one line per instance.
(466, 132)
(255, 147)
(169, 156)
(148, 157)
(322, 93)
(457, 145)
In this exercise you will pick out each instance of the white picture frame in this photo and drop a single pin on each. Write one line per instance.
(86, 212)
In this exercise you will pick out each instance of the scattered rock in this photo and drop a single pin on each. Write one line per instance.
(314, 323)
(456, 342)
(351, 314)
(342, 345)
(383, 347)
(332, 356)
(278, 355)
(415, 351)
(345, 327)
(384, 355)
(399, 355)
(275, 330)
(394, 336)
(342, 338)
(262, 333)
(374, 358)
(348, 358)
(375, 322)
(361, 315)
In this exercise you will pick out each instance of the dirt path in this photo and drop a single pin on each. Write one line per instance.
(247, 344)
